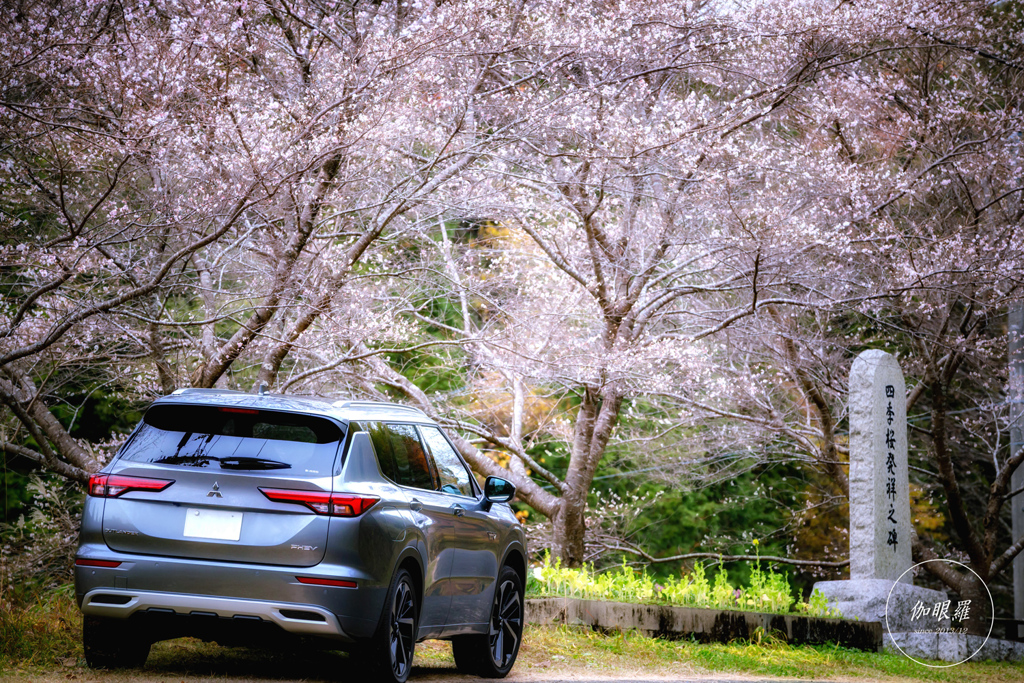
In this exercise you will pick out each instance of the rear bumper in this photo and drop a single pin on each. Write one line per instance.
(306, 620)
(150, 585)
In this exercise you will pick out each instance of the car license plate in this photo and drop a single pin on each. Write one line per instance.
(216, 524)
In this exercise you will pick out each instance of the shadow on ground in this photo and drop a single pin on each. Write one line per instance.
(193, 658)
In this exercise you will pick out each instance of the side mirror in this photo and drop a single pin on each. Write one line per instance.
(498, 490)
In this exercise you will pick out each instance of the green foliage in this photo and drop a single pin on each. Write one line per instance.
(817, 606)
(15, 494)
(777, 658)
(95, 414)
(723, 594)
(434, 372)
(39, 620)
(624, 585)
(768, 591)
(691, 591)
(697, 508)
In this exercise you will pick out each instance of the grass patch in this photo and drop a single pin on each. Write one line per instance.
(43, 628)
(769, 657)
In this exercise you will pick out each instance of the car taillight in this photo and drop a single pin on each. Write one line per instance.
(113, 485)
(324, 503)
(350, 505)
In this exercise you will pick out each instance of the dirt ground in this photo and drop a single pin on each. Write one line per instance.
(189, 662)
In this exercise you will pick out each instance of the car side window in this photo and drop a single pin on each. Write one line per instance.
(382, 448)
(411, 460)
(450, 470)
(402, 457)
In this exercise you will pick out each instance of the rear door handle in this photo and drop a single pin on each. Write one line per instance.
(415, 505)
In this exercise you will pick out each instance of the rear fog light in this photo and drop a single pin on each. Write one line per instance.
(109, 564)
(312, 581)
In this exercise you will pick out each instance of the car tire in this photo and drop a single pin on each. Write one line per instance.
(389, 652)
(113, 644)
(492, 655)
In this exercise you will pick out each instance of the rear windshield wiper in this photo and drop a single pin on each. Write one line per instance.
(252, 464)
(192, 460)
(234, 463)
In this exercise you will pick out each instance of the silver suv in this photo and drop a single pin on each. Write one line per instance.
(232, 516)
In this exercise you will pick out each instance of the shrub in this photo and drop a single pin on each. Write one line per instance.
(768, 591)
(39, 621)
(39, 548)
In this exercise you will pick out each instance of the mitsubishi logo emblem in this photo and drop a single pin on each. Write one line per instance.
(215, 491)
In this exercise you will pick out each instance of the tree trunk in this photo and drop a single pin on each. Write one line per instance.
(595, 422)
(569, 533)
(979, 609)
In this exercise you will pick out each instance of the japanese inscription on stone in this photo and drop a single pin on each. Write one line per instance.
(891, 491)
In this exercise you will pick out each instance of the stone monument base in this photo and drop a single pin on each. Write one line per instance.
(865, 599)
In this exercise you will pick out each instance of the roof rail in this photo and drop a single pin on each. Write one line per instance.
(376, 404)
(195, 390)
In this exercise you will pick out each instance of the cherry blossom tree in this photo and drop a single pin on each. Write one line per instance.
(692, 170)
(918, 159)
(188, 186)
(607, 226)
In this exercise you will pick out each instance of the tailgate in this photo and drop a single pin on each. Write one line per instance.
(214, 508)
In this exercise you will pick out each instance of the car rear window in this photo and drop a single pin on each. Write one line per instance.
(235, 438)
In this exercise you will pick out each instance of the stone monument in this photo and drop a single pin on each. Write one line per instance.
(880, 529)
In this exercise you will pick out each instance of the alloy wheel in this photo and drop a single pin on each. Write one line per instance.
(506, 624)
(402, 632)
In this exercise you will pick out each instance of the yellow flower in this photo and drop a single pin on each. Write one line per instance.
(755, 542)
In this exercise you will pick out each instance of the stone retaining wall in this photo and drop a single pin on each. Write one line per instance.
(705, 625)
(954, 647)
